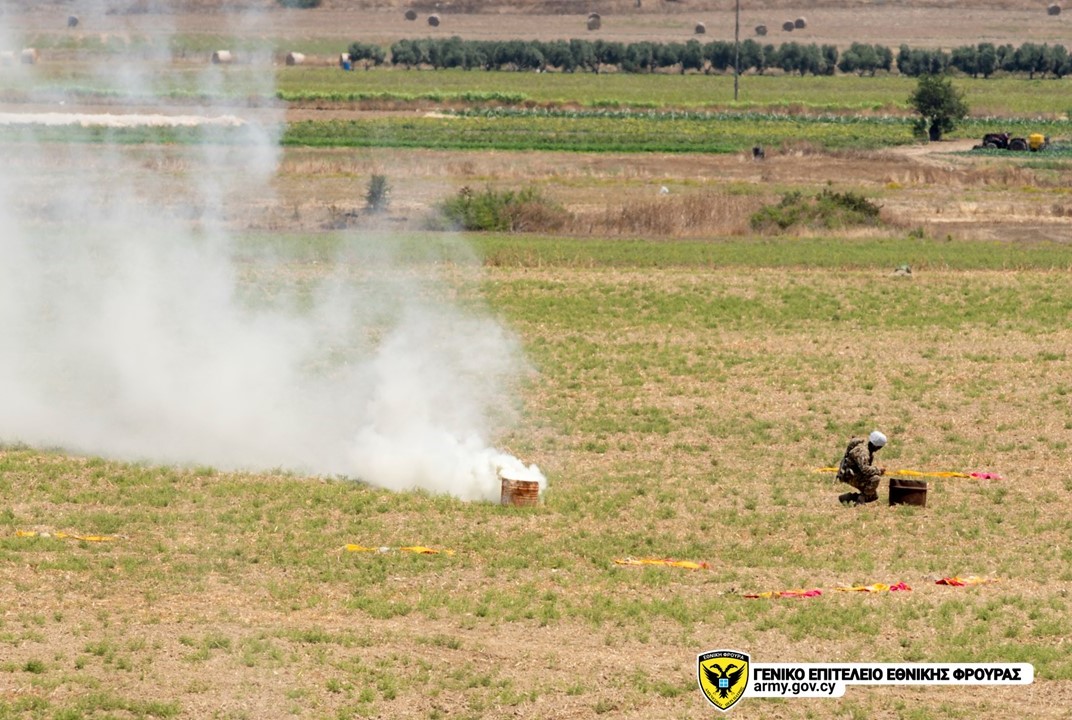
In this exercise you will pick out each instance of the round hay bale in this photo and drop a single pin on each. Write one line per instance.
(800, 23)
(788, 26)
(30, 56)
(411, 14)
(1054, 9)
(700, 28)
(295, 58)
(433, 20)
(222, 57)
(761, 29)
(594, 23)
(72, 21)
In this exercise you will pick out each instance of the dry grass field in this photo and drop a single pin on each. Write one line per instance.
(678, 409)
(919, 24)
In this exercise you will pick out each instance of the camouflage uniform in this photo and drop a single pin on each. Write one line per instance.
(858, 469)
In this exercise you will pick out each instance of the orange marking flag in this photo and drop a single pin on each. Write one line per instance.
(687, 564)
(815, 592)
(961, 582)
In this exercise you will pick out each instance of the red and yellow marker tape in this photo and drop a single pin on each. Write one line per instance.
(814, 592)
(875, 588)
(962, 581)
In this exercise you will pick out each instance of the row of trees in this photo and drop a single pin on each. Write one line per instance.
(986, 58)
(577, 55)
(601, 56)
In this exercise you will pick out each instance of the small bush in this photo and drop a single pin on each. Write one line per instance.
(506, 211)
(827, 210)
(378, 195)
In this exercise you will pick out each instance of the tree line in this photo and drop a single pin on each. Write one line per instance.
(578, 55)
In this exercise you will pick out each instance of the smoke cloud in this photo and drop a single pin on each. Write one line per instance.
(136, 326)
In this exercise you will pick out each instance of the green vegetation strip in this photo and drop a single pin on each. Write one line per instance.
(531, 250)
(999, 96)
(594, 133)
(569, 131)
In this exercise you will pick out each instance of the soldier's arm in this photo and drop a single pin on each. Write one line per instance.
(860, 455)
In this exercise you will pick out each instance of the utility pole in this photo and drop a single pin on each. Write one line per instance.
(736, 49)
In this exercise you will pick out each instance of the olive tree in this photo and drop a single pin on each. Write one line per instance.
(939, 104)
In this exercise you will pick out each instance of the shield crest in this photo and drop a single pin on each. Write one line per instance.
(723, 676)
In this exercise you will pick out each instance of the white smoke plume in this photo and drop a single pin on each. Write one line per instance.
(129, 331)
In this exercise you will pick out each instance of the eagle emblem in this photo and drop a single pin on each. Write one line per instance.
(723, 676)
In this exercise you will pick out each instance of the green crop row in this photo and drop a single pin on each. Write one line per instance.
(598, 133)
(569, 130)
(682, 115)
(466, 96)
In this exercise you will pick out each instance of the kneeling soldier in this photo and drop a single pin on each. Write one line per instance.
(857, 469)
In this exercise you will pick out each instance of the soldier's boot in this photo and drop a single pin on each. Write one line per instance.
(849, 498)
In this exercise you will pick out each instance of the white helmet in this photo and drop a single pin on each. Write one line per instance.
(876, 438)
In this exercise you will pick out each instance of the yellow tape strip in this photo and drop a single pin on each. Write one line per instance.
(416, 549)
(910, 473)
(66, 536)
(687, 564)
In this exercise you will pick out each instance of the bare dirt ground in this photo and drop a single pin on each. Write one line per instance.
(936, 188)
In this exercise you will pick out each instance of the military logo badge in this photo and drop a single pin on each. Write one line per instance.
(723, 676)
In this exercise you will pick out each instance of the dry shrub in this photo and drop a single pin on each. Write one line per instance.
(538, 216)
(706, 213)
